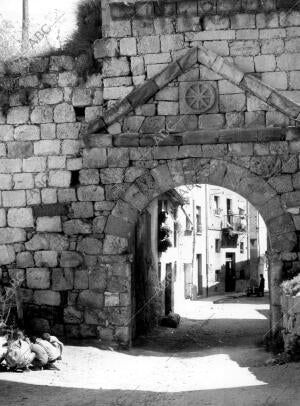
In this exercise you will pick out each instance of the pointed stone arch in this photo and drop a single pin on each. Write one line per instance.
(247, 82)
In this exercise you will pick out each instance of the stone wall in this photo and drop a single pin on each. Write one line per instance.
(69, 201)
(291, 323)
(257, 41)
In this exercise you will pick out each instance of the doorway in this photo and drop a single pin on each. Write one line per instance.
(188, 280)
(169, 289)
(230, 272)
(200, 277)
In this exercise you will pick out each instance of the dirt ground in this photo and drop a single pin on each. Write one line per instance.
(215, 357)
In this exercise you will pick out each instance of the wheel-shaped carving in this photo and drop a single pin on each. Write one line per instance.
(200, 97)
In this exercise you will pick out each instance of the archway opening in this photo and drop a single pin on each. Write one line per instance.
(200, 252)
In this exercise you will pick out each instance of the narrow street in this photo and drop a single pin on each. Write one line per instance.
(215, 357)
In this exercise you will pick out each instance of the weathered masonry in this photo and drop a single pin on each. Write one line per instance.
(195, 91)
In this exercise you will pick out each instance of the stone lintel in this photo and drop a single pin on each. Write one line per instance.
(240, 135)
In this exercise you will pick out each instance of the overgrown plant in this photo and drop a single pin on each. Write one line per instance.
(9, 299)
(163, 241)
(291, 287)
(89, 27)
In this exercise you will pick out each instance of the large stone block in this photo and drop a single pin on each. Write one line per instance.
(99, 224)
(70, 259)
(20, 218)
(59, 178)
(12, 235)
(34, 164)
(38, 278)
(149, 44)
(46, 297)
(211, 121)
(47, 147)
(288, 62)
(25, 260)
(116, 67)
(50, 96)
(91, 299)
(82, 97)
(112, 175)
(42, 114)
(105, 47)
(23, 181)
(26, 133)
(232, 102)
(111, 299)
(10, 165)
(67, 79)
(115, 245)
(90, 193)
(72, 315)
(98, 278)
(20, 149)
(272, 46)
(49, 224)
(89, 177)
(45, 259)
(95, 158)
(89, 245)
(118, 157)
(82, 209)
(244, 48)
(5, 182)
(73, 227)
(2, 218)
(14, 198)
(81, 279)
(7, 254)
(265, 63)
(6, 132)
(62, 279)
(118, 226)
(64, 113)
(18, 115)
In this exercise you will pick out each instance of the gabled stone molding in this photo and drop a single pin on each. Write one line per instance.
(249, 83)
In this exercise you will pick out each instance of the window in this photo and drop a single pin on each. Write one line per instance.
(241, 248)
(217, 275)
(217, 245)
(217, 205)
(229, 211)
(188, 224)
(242, 274)
(198, 219)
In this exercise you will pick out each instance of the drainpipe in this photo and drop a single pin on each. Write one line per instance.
(206, 237)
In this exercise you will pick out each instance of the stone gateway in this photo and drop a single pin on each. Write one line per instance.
(187, 92)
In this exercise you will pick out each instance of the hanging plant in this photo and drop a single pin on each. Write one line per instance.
(163, 240)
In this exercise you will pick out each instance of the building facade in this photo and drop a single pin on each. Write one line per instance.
(197, 241)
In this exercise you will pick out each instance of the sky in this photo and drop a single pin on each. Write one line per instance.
(59, 15)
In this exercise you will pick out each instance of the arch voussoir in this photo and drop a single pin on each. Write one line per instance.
(163, 178)
(119, 226)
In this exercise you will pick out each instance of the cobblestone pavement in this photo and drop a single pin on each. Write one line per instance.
(214, 358)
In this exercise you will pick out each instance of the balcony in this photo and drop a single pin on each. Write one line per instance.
(217, 212)
(237, 223)
(233, 225)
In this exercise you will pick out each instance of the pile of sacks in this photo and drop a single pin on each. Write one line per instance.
(19, 352)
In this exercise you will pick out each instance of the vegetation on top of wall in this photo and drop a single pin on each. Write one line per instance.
(291, 287)
(89, 28)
